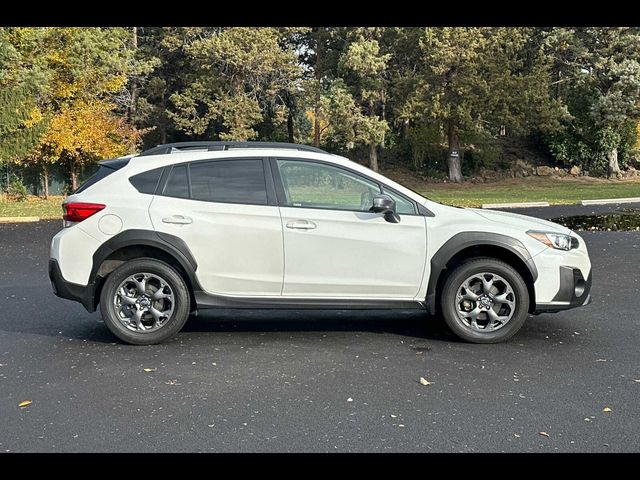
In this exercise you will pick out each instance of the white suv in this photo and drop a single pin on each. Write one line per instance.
(188, 226)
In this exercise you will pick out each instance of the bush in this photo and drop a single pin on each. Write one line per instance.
(16, 190)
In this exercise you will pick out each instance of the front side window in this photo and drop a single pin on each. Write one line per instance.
(229, 181)
(316, 185)
(403, 204)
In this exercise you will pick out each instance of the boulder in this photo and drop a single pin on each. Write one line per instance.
(544, 171)
(575, 171)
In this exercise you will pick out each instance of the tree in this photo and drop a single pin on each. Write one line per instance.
(597, 75)
(363, 67)
(239, 74)
(476, 79)
(84, 132)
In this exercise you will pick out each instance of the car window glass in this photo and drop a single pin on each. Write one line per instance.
(146, 182)
(316, 185)
(177, 185)
(229, 181)
(403, 204)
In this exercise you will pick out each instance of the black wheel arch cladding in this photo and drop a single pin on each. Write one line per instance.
(465, 240)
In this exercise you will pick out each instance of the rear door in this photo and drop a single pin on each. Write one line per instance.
(226, 212)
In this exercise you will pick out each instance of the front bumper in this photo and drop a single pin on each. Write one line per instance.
(71, 291)
(574, 292)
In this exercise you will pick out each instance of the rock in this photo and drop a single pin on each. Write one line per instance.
(561, 172)
(544, 171)
(575, 171)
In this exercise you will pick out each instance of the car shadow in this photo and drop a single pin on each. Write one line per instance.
(410, 323)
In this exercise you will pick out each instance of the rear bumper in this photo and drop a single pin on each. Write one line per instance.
(574, 292)
(68, 290)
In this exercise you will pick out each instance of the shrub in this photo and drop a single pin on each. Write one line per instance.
(16, 190)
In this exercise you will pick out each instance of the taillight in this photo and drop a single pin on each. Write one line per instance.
(75, 212)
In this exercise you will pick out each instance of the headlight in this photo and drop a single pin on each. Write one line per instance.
(558, 241)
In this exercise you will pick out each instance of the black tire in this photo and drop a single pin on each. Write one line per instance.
(472, 267)
(181, 301)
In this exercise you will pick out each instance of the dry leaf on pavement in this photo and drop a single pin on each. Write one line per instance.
(543, 434)
(25, 403)
(607, 410)
(150, 369)
(424, 381)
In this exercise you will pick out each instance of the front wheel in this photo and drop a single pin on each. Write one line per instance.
(484, 300)
(144, 302)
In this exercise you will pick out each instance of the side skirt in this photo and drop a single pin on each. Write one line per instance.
(205, 301)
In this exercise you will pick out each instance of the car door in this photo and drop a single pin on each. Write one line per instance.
(226, 213)
(336, 248)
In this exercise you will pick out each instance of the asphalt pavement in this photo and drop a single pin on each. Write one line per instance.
(336, 381)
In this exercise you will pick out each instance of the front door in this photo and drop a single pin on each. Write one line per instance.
(220, 208)
(336, 248)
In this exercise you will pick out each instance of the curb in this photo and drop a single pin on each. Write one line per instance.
(604, 201)
(19, 219)
(515, 205)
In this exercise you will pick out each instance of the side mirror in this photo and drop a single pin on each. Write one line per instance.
(386, 205)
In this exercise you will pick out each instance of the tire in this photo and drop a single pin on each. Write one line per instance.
(165, 303)
(468, 318)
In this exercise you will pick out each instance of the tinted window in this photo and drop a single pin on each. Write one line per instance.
(403, 204)
(229, 181)
(146, 182)
(316, 185)
(96, 177)
(177, 185)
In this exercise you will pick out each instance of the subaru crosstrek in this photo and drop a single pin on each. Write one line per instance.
(182, 227)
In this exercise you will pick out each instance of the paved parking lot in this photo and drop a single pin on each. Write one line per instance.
(317, 381)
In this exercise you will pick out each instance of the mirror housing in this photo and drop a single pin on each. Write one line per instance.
(386, 205)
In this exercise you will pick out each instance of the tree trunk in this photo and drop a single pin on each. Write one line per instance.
(373, 157)
(290, 127)
(45, 180)
(134, 83)
(613, 167)
(73, 171)
(316, 114)
(453, 160)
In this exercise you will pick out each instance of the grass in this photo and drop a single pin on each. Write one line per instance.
(553, 190)
(32, 207)
(556, 191)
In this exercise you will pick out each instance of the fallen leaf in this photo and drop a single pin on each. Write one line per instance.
(607, 410)
(150, 369)
(172, 382)
(516, 435)
(25, 403)
(636, 380)
(424, 381)
(394, 416)
(401, 426)
(601, 360)
(349, 399)
(543, 434)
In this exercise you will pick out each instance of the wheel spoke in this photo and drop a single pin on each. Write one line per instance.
(126, 299)
(503, 300)
(141, 285)
(159, 294)
(487, 284)
(157, 314)
(494, 317)
(137, 318)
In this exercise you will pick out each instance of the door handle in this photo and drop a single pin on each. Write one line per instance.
(178, 220)
(301, 225)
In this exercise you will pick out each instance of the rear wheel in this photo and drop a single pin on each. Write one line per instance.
(484, 300)
(144, 302)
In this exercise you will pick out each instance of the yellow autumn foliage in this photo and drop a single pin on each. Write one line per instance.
(86, 130)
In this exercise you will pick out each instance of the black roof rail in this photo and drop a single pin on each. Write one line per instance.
(217, 146)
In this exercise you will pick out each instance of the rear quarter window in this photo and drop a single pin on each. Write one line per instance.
(147, 182)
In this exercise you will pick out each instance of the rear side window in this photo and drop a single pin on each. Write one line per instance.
(95, 178)
(229, 181)
(147, 182)
(178, 183)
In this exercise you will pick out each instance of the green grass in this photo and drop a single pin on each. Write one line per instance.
(531, 189)
(32, 207)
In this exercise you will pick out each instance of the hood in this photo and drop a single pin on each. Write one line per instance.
(520, 221)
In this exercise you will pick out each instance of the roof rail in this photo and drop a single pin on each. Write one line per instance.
(217, 146)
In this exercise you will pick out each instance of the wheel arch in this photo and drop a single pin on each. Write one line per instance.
(468, 245)
(132, 244)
